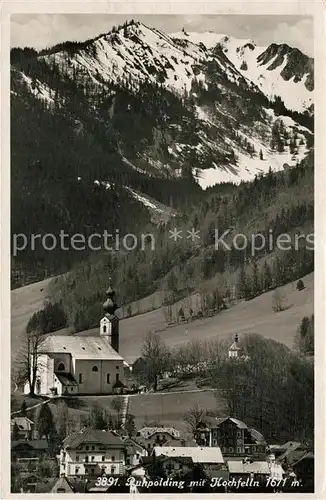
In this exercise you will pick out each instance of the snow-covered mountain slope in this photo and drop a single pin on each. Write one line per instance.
(278, 70)
(176, 106)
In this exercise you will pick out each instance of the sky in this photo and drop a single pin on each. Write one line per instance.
(45, 30)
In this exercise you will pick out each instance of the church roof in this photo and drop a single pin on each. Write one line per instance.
(66, 378)
(80, 347)
(235, 347)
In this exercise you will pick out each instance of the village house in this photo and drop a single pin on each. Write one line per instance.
(29, 453)
(22, 428)
(248, 469)
(134, 452)
(92, 452)
(204, 456)
(233, 436)
(77, 364)
(175, 465)
(156, 436)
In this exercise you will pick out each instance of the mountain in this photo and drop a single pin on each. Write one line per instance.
(137, 118)
(278, 70)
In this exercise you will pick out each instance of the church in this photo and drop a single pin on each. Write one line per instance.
(76, 364)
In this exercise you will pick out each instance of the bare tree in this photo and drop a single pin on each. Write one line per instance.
(117, 405)
(193, 417)
(278, 301)
(30, 359)
(157, 356)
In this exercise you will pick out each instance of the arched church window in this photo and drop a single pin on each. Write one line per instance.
(94, 369)
(104, 328)
(61, 367)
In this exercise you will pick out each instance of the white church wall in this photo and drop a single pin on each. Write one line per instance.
(96, 382)
(62, 358)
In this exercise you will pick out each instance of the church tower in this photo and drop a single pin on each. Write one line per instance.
(235, 350)
(109, 325)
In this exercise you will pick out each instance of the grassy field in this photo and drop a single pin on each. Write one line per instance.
(254, 316)
(25, 302)
(165, 409)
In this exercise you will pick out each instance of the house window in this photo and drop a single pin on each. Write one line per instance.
(86, 459)
(239, 434)
(230, 449)
(239, 450)
(214, 442)
(117, 367)
(94, 369)
(112, 469)
(103, 458)
(77, 470)
(112, 459)
(80, 378)
(93, 458)
(87, 447)
(77, 458)
(117, 377)
(93, 471)
(254, 448)
(107, 378)
(93, 447)
(61, 367)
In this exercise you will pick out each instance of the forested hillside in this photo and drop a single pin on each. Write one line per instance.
(276, 203)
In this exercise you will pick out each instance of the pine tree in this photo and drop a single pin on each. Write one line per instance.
(267, 277)
(45, 423)
(255, 283)
(261, 156)
(242, 288)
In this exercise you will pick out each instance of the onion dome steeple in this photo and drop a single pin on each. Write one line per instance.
(110, 305)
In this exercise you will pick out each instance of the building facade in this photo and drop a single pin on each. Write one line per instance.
(157, 436)
(233, 436)
(92, 452)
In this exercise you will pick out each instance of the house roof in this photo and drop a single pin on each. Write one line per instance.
(240, 467)
(235, 347)
(66, 378)
(183, 460)
(62, 483)
(293, 451)
(197, 454)
(36, 444)
(45, 485)
(24, 423)
(180, 442)
(148, 432)
(89, 435)
(257, 436)
(118, 385)
(238, 423)
(80, 347)
(213, 471)
(132, 444)
(307, 456)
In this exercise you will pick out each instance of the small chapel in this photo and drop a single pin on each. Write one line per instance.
(237, 350)
(78, 364)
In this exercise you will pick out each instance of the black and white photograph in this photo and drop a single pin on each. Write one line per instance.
(162, 225)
